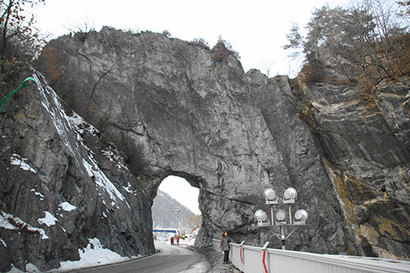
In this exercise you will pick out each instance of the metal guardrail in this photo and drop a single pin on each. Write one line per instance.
(256, 259)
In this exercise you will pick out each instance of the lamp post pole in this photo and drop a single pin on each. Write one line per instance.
(282, 236)
(272, 215)
(278, 217)
(178, 214)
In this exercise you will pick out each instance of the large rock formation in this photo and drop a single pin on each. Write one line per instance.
(62, 183)
(364, 139)
(179, 108)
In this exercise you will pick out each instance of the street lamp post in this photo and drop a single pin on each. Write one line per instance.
(278, 216)
(178, 214)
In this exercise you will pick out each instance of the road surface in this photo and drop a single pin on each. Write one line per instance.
(170, 259)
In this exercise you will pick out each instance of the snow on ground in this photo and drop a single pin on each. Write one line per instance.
(94, 254)
(166, 236)
(29, 268)
(192, 237)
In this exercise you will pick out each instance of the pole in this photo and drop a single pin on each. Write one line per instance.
(272, 215)
(282, 236)
(290, 214)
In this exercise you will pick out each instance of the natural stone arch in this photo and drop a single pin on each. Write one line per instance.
(187, 109)
(169, 106)
(191, 116)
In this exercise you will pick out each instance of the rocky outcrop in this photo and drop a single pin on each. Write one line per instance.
(364, 140)
(178, 108)
(62, 184)
(183, 109)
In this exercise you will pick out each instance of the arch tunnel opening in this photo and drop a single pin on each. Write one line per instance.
(175, 210)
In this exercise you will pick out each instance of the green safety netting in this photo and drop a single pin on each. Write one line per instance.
(27, 82)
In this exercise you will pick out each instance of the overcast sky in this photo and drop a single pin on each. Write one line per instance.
(256, 29)
(179, 189)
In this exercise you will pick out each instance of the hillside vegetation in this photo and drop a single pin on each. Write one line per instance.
(362, 44)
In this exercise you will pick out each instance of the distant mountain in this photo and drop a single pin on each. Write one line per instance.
(165, 214)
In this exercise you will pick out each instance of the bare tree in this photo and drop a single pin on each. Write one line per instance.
(369, 36)
(17, 26)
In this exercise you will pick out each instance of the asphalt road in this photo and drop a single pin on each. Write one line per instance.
(170, 259)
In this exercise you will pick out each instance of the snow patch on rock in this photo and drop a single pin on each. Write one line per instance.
(18, 160)
(48, 219)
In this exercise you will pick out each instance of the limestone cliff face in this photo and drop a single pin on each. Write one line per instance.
(176, 108)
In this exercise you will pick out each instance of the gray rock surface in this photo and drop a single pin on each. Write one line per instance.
(364, 138)
(169, 107)
(54, 195)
